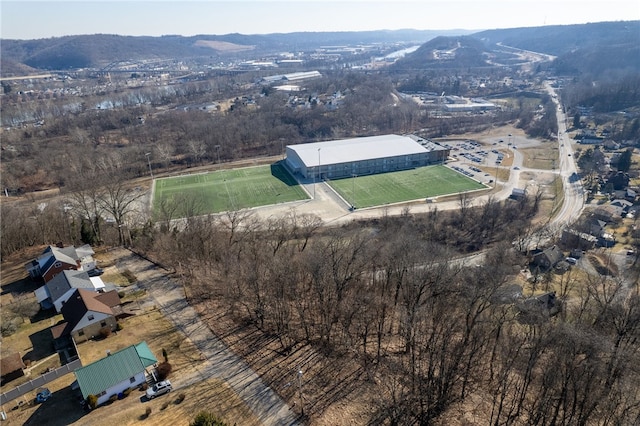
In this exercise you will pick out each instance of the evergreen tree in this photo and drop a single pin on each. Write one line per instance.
(205, 418)
(624, 163)
(576, 121)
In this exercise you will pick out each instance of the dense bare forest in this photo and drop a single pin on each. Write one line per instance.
(430, 334)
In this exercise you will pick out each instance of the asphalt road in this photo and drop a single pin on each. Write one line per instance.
(218, 361)
(573, 191)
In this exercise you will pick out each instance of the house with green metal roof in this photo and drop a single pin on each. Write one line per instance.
(116, 372)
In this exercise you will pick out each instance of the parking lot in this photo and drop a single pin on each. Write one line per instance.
(470, 155)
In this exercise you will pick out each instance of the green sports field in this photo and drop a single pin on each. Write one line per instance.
(387, 188)
(226, 190)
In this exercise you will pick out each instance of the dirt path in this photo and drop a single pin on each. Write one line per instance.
(217, 359)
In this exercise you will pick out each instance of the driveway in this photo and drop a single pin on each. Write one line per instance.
(218, 360)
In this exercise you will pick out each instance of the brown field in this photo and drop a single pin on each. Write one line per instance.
(223, 46)
(543, 157)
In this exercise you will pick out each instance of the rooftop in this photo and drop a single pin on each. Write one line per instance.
(115, 368)
(356, 149)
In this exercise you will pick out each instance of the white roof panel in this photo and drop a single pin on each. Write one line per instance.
(357, 149)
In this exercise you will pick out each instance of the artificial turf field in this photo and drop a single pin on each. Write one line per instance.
(387, 188)
(226, 190)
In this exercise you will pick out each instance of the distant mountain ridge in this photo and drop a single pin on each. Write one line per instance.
(588, 48)
(560, 39)
(579, 48)
(98, 50)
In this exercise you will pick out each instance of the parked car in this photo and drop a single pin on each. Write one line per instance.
(159, 388)
(42, 395)
(95, 272)
(571, 260)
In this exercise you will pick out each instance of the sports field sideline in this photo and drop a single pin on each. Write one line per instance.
(388, 188)
(234, 189)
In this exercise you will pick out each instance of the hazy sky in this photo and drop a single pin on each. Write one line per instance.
(27, 19)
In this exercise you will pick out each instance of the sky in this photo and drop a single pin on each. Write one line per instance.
(30, 19)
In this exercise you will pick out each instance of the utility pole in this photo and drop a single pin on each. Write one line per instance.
(218, 152)
(300, 389)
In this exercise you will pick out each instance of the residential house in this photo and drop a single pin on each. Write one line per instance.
(605, 213)
(610, 145)
(548, 258)
(572, 238)
(86, 313)
(596, 227)
(538, 309)
(54, 260)
(57, 291)
(11, 367)
(623, 205)
(115, 373)
(631, 195)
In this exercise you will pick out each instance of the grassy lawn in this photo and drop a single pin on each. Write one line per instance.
(149, 326)
(225, 190)
(387, 188)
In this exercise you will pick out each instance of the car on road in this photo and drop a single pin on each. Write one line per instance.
(159, 388)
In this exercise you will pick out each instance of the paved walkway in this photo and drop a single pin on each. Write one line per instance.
(218, 360)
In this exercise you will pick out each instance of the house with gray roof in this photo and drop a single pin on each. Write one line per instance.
(548, 258)
(54, 260)
(56, 292)
(117, 372)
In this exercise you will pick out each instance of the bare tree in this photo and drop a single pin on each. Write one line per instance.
(119, 200)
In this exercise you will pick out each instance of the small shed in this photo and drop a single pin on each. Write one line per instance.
(518, 193)
(11, 367)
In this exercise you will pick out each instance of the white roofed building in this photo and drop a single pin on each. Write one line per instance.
(362, 156)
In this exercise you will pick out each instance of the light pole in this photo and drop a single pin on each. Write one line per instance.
(300, 392)
(317, 175)
(353, 191)
(148, 154)
(218, 152)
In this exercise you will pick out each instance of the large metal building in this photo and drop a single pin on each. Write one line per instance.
(362, 156)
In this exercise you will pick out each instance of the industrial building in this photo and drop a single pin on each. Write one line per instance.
(362, 156)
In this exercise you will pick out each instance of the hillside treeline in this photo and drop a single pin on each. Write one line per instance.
(429, 337)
